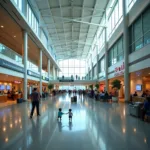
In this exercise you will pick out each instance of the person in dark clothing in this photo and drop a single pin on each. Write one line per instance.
(106, 94)
(144, 94)
(146, 108)
(135, 94)
(35, 99)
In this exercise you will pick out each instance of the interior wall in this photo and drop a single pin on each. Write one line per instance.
(133, 83)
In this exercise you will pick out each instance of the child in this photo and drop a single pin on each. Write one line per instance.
(70, 115)
(60, 114)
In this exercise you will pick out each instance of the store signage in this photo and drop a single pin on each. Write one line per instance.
(119, 70)
(9, 65)
(17, 82)
(33, 74)
(45, 78)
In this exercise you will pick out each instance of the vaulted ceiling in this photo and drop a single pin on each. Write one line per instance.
(72, 25)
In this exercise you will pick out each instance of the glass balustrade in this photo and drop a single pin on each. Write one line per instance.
(32, 66)
(4, 50)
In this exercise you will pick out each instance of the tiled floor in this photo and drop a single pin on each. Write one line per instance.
(95, 126)
(9, 102)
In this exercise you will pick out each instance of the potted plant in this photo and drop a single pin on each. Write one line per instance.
(116, 85)
(50, 86)
(97, 86)
(91, 87)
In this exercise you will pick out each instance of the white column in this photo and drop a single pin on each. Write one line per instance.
(56, 73)
(88, 73)
(40, 72)
(53, 72)
(106, 62)
(25, 63)
(126, 52)
(97, 64)
(48, 68)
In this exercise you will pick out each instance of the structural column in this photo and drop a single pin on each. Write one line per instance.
(126, 52)
(56, 73)
(53, 72)
(40, 72)
(106, 62)
(49, 68)
(25, 63)
(97, 69)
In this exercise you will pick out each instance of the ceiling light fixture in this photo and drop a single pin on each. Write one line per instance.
(2, 26)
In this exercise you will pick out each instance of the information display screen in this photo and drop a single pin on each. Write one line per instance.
(138, 87)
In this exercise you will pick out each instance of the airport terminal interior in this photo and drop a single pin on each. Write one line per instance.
(85, 65)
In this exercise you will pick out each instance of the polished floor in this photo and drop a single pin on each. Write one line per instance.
(95, 126)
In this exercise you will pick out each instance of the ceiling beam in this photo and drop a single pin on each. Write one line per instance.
(52, 17)
(75, 7)
(75, 20)
(62, 21)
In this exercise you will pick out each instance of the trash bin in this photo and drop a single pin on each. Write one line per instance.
(72, 99)
(75, 98)
(135, 109)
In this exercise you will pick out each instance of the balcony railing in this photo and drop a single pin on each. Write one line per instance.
(4, 50)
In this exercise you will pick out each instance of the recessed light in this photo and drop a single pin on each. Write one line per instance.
(2, 26)
(14, 36)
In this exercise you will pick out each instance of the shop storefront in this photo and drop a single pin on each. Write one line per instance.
(11, 88)
(118, 73)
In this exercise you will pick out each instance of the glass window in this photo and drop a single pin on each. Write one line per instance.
(115, 17)
(65, 63)
(71, 63)
(130, 4)
(65, 70)
(77, 70)
(146, 26)
(120, 8)
(73, 67)
(138, 34)
(71, 70)
(77, 63)
(116, 53)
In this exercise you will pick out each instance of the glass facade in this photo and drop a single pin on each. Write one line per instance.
(32, 20)
(94, 70)
(73, 67)
(114, 17)
(72, 87)
(18, 4)
(130, 4)
(116, 53)
(139, 31)
(101, 63)
(101, 40)
(44, 38)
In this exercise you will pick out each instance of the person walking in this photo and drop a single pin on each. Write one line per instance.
(35, 99)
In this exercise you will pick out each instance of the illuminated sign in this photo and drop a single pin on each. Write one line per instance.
(9, 65)
(17, 82)
(119, 70)
(31, 73)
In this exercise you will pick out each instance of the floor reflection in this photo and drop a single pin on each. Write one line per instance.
(95, 125)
